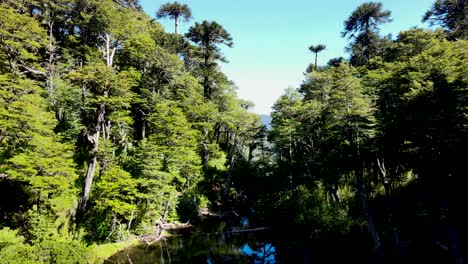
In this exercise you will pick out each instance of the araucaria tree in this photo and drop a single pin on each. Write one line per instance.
(208, 35)
(363, 27)
(175, 11)
(451, 15)
(316, 49)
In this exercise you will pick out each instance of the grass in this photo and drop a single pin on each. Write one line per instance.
(105, 251)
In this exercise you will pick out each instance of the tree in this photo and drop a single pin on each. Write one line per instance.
(451, 15)
(21, 37)
(316, 49)
(175, 11)
(105, 91)
(168, 163)
(208, 35)
(363, 26)
(366, 18)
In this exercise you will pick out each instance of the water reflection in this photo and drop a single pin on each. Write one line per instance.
(217, 242)
(266, 255)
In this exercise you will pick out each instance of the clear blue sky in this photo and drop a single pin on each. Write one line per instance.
(271, 37)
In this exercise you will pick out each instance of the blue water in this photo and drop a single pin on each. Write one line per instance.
(267, 254)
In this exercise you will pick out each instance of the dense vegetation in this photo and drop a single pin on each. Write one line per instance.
(111, 127)
(376, 144)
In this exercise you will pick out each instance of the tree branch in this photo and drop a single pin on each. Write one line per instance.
(33, 71)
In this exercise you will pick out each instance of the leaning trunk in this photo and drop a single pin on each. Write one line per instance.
(87, 184)
(94, 139)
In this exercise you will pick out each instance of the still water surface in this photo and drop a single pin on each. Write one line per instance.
(212, 242)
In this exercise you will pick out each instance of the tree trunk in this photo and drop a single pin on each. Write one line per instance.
(227, 185)
(386, 180)
(335, 195)
(316, 54)
(232, 159)
(205, 155)
(51, 51)
(143, 130)
(365, 206)
(94, 140)
(206, 85)
(359, 174)
(252, 147)
(176, 26)
(88, 183)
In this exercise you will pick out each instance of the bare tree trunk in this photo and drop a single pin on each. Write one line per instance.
(365, 205)
(316, 55)
(290, 152)
(205, 155)
(89, 174)
(94, 139)
(52, 52)
(232, 159)
(98, 127)
(206, 85)
(388, 204)
(110, 52)
(176, 26)
(252, 147)
(335, 195)
(358, 173)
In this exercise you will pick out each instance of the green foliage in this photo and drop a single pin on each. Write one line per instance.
(366, 18)
(450, 14)
(208, 35)
(116, 191)
(312, 214)
(97, 89)
(33, 154)
(13, 250)
(21, 37)
(402, 112)
(94, 96)
(175, 11)
(189, 205)
(363, 26)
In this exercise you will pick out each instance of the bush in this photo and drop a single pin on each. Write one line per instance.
(54, 250)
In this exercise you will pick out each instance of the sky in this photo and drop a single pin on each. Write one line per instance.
(271, 37)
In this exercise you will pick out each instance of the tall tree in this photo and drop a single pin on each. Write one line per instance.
(105, 91)
(316, 49)
(450, 14)
(208, 35)
(363, 26)
(175, 11)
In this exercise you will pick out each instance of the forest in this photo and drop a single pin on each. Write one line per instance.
(112, 129)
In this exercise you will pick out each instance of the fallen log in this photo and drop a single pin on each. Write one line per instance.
(250, 230)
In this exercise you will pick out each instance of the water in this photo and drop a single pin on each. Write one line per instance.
(214, 241)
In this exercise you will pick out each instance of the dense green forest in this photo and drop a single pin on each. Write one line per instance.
(112, 128)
